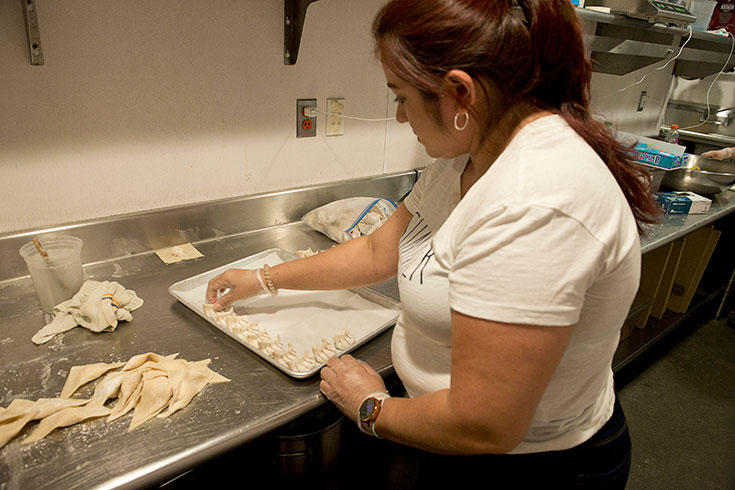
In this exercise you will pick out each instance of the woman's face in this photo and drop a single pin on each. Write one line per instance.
(439, 142)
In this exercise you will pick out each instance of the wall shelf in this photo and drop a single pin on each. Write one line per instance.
(33, 33)
(619, 45)
(294, 14)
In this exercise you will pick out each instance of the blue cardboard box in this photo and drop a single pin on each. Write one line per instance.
(657, 158)
(683, 203)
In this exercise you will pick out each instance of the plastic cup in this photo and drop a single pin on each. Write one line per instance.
(59, 276)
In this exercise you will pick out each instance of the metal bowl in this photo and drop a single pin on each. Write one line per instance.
(701, 175)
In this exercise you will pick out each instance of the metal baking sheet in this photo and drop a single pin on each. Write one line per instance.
(300, 318)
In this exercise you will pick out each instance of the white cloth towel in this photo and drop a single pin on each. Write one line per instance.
(98, 306)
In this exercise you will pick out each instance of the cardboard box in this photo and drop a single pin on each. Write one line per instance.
(657, 158)
(653, 268)
(698, 247)
(683, 202)
(638, 310)
(661, 300)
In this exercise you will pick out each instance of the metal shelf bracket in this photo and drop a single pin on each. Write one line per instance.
(32, 31)
(294, 13)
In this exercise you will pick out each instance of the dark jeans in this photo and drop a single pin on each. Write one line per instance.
(602, 462)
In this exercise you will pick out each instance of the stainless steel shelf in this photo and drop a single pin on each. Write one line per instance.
(620, 45)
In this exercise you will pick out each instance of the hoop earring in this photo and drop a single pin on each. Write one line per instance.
(466, 121)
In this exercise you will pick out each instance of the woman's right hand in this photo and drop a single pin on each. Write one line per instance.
(242, 283)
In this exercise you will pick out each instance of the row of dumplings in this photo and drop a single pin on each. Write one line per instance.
(283, 354)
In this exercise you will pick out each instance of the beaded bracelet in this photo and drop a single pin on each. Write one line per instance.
(268, 280)
(263, 287)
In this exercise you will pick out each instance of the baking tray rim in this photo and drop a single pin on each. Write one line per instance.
(285, 255)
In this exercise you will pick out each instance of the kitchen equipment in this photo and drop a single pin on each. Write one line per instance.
(649, 10)
(59, 275)
(702, 175)
(309, 445)
(303, 319)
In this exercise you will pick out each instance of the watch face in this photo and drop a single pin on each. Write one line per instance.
(366, 409)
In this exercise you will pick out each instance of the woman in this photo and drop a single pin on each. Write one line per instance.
(517, 254)
(722, 154)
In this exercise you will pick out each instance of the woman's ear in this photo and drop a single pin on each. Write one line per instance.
(461, 86)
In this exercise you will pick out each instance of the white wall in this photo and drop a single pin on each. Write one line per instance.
(615, 98)
(142, 105)
(721, 94)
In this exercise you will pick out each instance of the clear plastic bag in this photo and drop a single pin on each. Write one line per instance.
(350, 218)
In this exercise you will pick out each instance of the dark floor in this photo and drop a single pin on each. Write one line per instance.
(681, 413)
(679, 401)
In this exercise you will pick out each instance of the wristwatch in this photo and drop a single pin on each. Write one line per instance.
(369, 411)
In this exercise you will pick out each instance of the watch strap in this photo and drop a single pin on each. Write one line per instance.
(369, 428)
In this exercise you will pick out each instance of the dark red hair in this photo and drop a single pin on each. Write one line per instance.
(530, 52)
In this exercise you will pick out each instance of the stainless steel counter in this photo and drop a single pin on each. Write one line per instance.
(675, 226)
(259, 398)
(100, 454)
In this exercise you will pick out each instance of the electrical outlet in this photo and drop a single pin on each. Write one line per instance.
(642, 101)
(334, 126)
(305, 125)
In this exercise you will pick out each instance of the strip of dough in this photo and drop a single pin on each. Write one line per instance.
(12, 427)
(107, 388)
(49, 406)
(130, 402)
(64, 418)
(128, 386)
(81, 375)
(20, 412)
(17, 408)
(154, 398)
(186, 381)
(137, 361)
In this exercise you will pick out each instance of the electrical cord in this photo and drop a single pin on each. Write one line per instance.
(313, 111)
(681, 49)
(707, 114)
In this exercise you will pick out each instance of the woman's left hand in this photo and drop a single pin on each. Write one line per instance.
(347, 381)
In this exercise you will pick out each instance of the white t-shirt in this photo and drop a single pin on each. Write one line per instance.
(544, 237)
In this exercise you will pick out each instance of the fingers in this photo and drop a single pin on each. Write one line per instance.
(326, 373)
(241, 284)
(214, 286)
(335, 360)
(224, 301)
(325, 389)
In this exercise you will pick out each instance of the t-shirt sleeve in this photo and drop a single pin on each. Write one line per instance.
(520, 264)
(413, 200)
